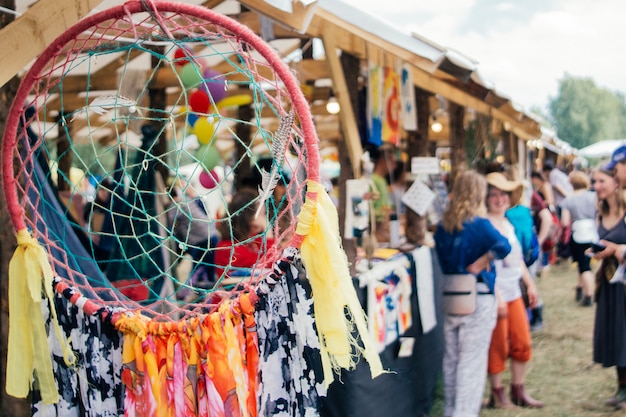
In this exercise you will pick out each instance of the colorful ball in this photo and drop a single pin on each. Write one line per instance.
(209, 179)
(235, 101)
(199, 101)
(215, 84)
(191, 75)
(181, 56)
(204, 129)
(192, 118)
(209, 157)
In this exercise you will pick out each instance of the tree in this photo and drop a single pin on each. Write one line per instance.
(584, 113)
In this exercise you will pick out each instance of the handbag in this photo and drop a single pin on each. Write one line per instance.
(459, 294)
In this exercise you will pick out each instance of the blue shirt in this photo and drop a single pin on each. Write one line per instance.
(458, 250)
(522, 220)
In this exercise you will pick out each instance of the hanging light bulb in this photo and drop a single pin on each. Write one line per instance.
(436, 126)
(332, 105)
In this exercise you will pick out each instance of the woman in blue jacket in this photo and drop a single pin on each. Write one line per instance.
(466, 242)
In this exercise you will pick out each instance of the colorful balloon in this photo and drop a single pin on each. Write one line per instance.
(215, 84)
(208, 179)
(235, 101)
(208, 156)
(204, 129)
(192, 118)
(199, 101)
(191, 75)
(181, 56)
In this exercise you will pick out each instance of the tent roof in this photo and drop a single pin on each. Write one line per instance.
(601, 149)
(437, 69)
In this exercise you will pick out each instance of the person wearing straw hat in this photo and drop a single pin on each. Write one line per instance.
(511, 335)
(467, 243)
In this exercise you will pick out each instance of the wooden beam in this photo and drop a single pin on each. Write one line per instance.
(346, 115)
(251, 20)
(357, 41)
(352, 38)
(434, 85)
(72, 102)
(32, 32)
(107, 78)
(298, 19)
(312, 69)
(209, 4)
(111, 68)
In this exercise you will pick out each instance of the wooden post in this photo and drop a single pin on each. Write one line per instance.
(505, 139)
(9, 405)
(243, 169)
(350, 65)
(347, 115)
(457, 141)
(416, 225)
(513, 156)
(158, 101)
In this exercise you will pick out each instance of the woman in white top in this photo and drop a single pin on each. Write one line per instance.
(511, 336)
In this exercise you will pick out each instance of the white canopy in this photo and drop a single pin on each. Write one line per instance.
(601, 149)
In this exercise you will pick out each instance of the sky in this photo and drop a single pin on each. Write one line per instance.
(523, 47)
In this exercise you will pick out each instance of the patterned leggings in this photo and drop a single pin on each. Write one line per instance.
(467, 341)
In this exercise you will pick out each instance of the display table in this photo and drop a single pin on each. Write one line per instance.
(412, 355)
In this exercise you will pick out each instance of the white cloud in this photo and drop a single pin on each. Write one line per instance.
(525, 55)
(504, 6)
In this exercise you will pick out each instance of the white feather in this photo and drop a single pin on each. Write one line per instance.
(102, 104)
(269, 180)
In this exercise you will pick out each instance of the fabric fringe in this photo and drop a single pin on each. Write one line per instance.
(197, 367)
(341, 322)
(30, 276)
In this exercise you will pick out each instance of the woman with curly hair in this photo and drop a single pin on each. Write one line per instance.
(466, 242)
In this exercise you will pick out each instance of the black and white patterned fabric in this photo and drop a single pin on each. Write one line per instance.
(291, 380)
(92, 386)
(290, 366)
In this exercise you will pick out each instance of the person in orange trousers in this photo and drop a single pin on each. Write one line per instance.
(511, 336)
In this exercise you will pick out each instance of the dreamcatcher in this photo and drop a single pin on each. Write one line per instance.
(102, 163)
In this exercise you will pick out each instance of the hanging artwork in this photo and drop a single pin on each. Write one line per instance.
(409, 110)
(392, 106)
(389, 307)
(375, 104)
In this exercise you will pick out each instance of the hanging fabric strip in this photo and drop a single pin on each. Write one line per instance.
(92, 387)
(332, 287)
(194, 367)
(30, 275)
(288, 343)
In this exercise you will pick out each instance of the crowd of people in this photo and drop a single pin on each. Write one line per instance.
(501, 231)
(483, 234)
(476, 237)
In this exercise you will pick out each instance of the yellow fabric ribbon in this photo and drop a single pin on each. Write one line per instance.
(29, 273)
(333, 292)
